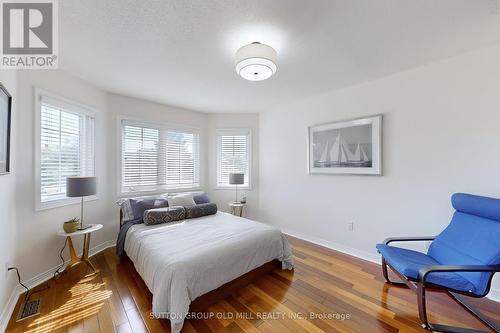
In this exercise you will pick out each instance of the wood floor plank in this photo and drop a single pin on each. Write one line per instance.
(76, 327)
(323, 282)
(136, 321)
(124, 328)
(91, 324)
(118, 314)
(104, 316)
(306, 306)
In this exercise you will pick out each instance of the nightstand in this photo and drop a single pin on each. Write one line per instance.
(74, 259)
(237, 208)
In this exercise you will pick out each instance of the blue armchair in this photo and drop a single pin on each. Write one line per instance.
(461, 260)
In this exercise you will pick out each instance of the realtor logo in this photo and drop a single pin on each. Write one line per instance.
(29, 34)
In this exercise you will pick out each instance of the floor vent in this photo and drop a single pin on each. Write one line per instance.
(29, 309)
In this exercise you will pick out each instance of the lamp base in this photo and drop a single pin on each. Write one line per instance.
(84, 226)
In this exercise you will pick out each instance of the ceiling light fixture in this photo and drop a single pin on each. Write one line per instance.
(256, 61)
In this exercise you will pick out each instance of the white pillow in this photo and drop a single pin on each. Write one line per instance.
(185, 199)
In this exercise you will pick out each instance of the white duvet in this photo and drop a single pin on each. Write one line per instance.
(181, 261)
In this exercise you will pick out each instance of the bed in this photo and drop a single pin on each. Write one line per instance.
(180, 262)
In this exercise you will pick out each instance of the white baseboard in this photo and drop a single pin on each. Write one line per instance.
(493, 295)
(8, 310)
(372, 257)
(37, 280)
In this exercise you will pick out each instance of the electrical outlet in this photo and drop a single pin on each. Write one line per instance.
(350, 226)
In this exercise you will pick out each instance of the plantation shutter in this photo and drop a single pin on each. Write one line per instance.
(233, 155)
(156, 158)
(182, 159)
(140, 156)
(66, 147)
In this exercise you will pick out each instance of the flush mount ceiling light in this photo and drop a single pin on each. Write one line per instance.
(256, 61)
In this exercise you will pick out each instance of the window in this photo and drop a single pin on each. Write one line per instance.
(156, 158)
(140, 156)
(233, 155)
(64, 147)
(182, 159)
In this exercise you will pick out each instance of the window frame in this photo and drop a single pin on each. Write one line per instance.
(133, 121)
(228, 132)
(77, 108)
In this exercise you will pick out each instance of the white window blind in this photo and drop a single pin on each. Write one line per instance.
(155, 158)
(140, 156)
(233, 155)
(182, 159)
(66, 147)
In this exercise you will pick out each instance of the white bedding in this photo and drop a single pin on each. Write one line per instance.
(181, 261)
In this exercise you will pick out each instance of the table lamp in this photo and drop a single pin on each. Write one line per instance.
(81, 187)
(236, 178)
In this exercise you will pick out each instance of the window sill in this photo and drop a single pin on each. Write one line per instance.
(140, 193)
(40, 206)
(233, 187)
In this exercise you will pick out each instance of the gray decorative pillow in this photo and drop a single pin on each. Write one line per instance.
(126, 205)
(139, 206)
(200, 210)
(201, 198)
(164, 215)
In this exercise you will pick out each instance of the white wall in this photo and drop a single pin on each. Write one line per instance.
(38, 245)
(8, 202)
(223, 196)
(441, 135)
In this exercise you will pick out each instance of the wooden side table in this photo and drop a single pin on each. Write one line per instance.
(237, 208)
(74, 259)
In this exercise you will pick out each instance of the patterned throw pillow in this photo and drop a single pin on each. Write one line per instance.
(164, 215)
(200, 210)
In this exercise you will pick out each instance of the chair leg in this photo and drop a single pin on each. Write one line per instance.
(384, 270)
(478, 314)
(422, 312)
(386, 274)
(420, 290)
(422, 307)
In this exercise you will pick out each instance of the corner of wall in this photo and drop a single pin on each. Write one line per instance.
(7, 205)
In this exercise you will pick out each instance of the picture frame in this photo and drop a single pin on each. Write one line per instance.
(5, 128)
(351, 146)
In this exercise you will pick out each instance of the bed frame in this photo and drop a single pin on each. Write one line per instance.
(202, 303)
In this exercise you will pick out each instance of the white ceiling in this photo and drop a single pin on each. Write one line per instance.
(181, 52)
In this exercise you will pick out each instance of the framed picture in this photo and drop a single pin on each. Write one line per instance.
(346, 147)
(5, 119)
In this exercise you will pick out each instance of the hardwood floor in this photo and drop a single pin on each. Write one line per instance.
(344, 293)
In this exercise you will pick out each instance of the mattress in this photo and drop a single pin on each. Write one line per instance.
(182, 261)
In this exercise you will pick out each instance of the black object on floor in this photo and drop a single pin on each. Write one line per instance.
(29, 309)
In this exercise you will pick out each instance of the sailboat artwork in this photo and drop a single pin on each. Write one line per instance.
(349, 147)
(340, 155)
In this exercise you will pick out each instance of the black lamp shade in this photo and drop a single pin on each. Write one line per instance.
(236, 178)
(80, 186)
